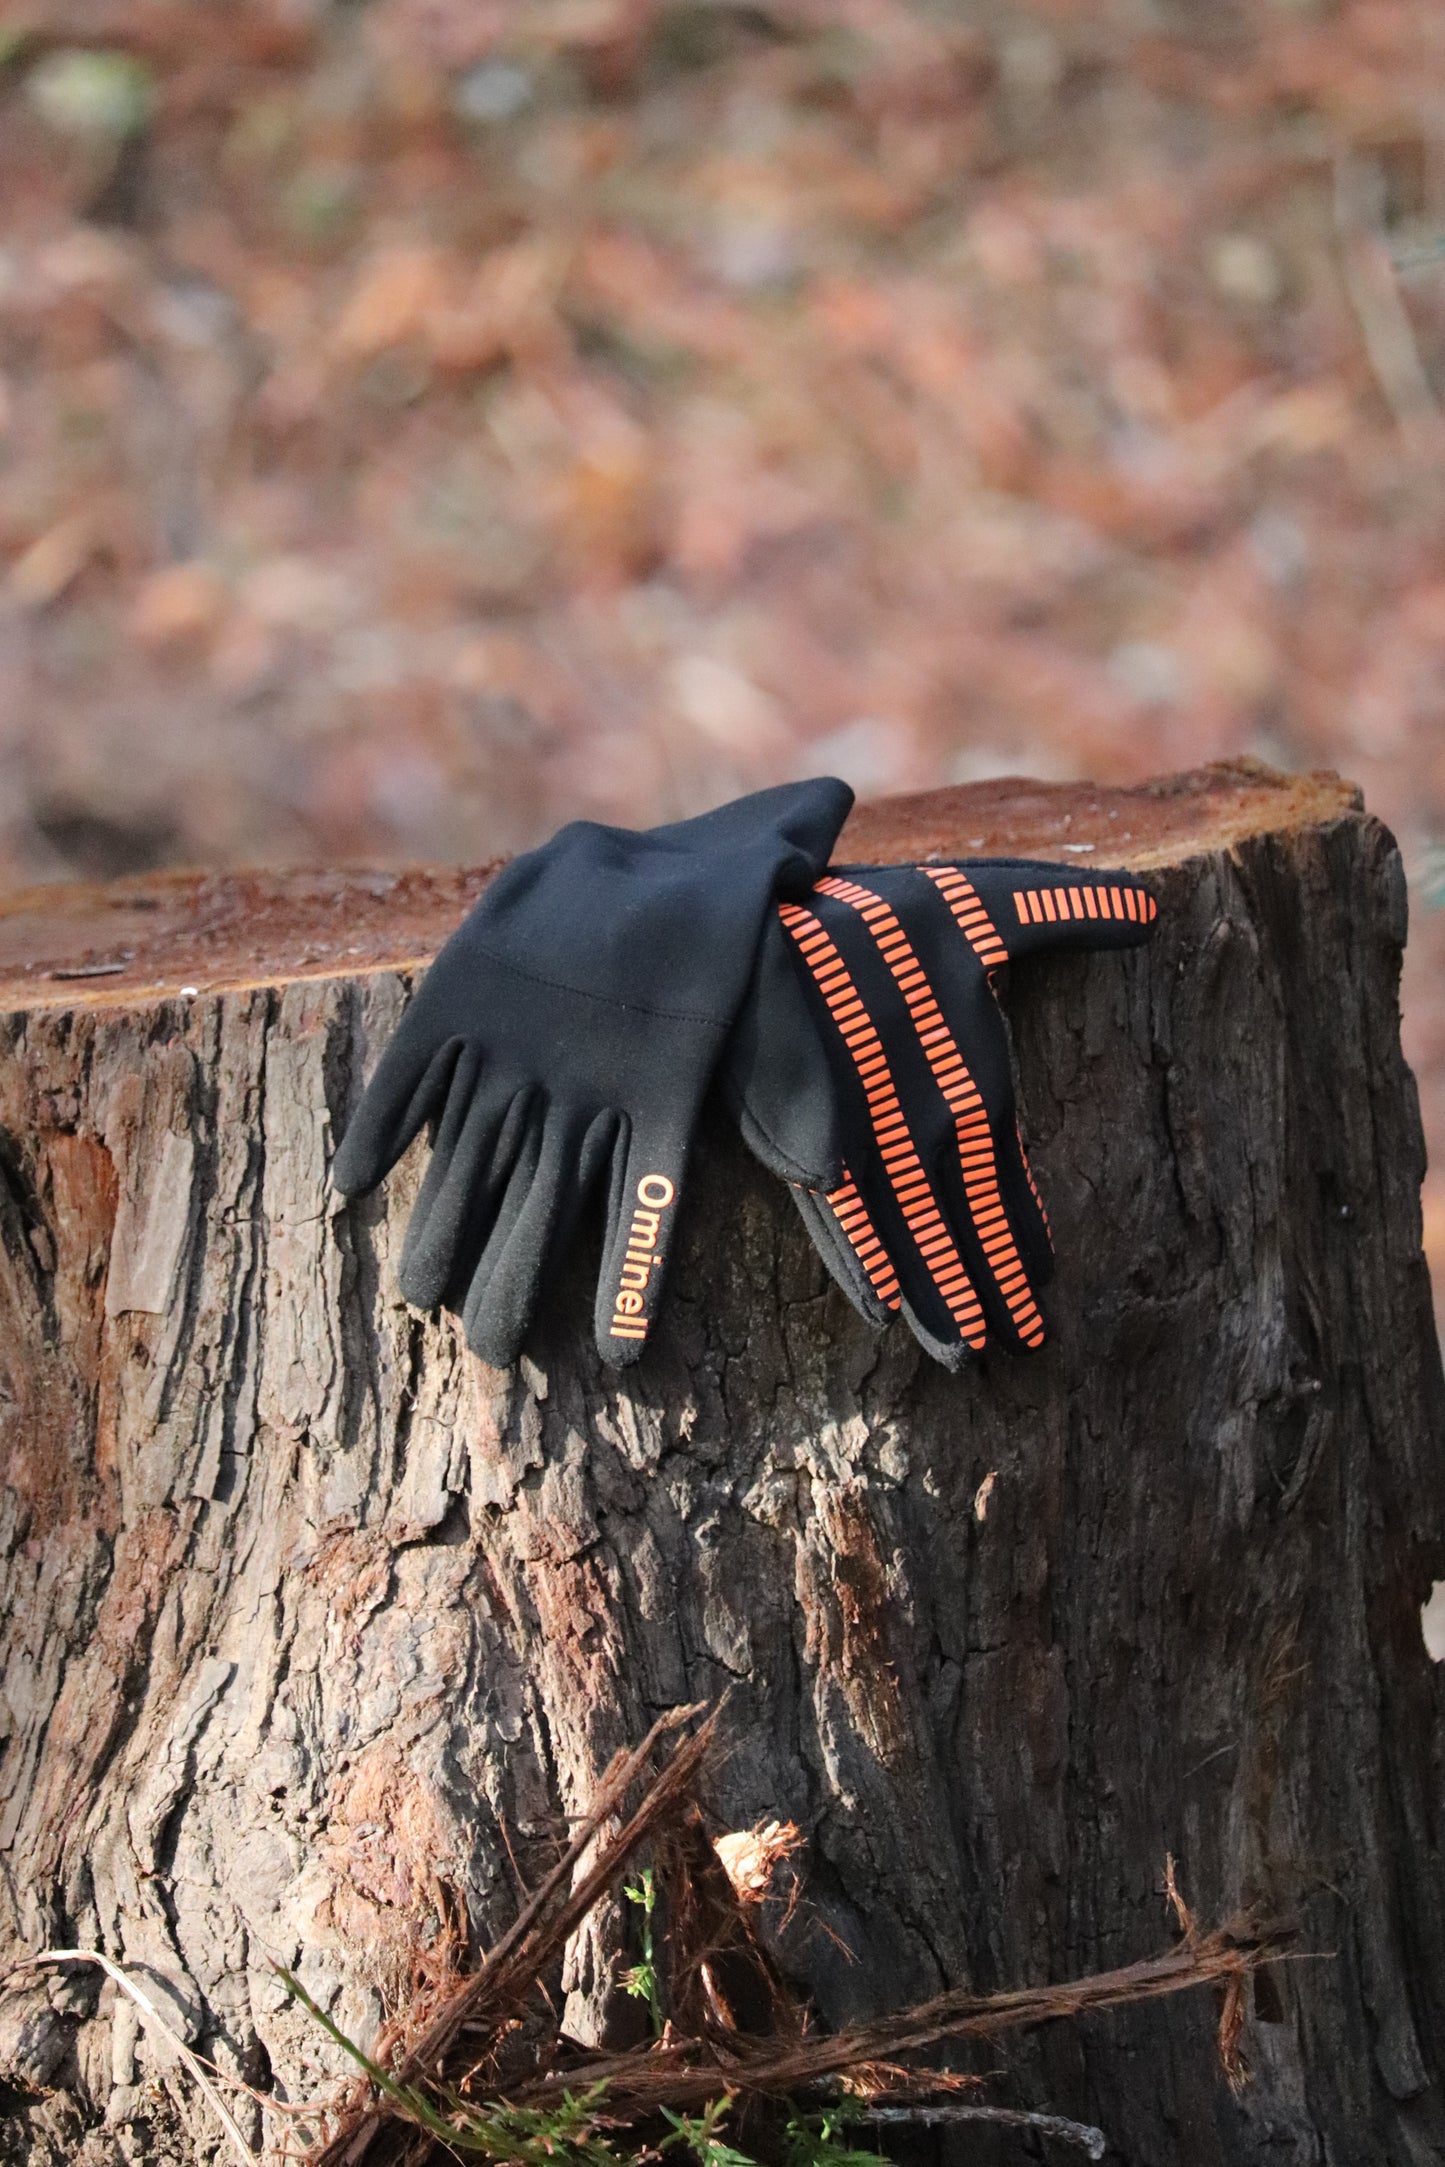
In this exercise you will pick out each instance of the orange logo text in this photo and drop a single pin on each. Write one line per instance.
(640, 1259)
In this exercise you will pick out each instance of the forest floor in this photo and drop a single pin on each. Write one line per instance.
(422, 421)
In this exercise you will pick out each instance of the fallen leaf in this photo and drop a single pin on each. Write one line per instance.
(51, 564)
(181, 603)
(398, 292)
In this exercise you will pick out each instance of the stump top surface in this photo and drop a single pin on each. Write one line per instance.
(98, 944)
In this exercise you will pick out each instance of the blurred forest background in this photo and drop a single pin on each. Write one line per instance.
(422, 421)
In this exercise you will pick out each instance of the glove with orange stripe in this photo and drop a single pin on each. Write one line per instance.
(880, 989)
(562, 1043)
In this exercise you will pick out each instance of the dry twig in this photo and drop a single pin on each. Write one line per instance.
(157, 2026)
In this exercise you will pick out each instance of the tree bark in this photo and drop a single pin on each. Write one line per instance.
(308, 1616)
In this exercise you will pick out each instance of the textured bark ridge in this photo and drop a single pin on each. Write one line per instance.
(308, 1617)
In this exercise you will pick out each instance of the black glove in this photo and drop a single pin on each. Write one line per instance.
(877, 996)
(569, 1029)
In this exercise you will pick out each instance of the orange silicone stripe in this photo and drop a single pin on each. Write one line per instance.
(963, 900)
(900, 1159)
(1029, 1177)
(977, 1157)
(1050, 906)
(851, 1213)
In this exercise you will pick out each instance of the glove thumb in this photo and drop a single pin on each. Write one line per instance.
(776, 1076)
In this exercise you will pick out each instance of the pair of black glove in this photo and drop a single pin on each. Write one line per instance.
(567, 1034)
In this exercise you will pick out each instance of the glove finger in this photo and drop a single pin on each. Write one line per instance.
(866, 1276)
(647, 1176)
(984, 1193)
(538, 1216)
(987, 1202)
(472, 1283)
(1025, 1207)
(401, 1097)
(470, 1166)
(460, 1110)
(803, 817)
(776, 1074)
(841, 1229)
(1016, 907)
(944, 1347)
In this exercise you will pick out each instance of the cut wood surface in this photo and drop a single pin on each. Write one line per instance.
(94, 945)
(311, 1623)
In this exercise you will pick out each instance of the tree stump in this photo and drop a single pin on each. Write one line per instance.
(308, 1616)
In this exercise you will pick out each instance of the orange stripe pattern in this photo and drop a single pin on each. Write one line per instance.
(962, 898)
(895, 1145)
(977, 1158)
(1060, 906)
(1029, 1178)
(851, 1213)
